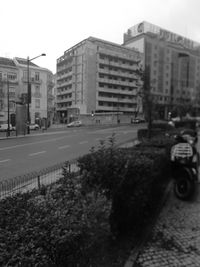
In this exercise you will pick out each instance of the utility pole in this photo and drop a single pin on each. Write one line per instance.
(8, 102)
(29, 90)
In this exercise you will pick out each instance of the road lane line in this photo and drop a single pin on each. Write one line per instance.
(63, 147)
(4, 160)
(37, 153)
(33, 143)
(83, 142)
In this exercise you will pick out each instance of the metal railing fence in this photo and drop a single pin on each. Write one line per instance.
(34, 180)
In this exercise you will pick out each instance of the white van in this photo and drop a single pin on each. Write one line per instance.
(4, 127)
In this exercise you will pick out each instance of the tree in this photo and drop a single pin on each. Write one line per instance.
(147, 97)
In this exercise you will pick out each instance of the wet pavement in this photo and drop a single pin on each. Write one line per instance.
(175, 239)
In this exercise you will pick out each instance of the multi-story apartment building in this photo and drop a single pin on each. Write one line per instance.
(13, 91)
(41, 81)
(54, 91)
(9, 86)
(174, 65)
(97, 76)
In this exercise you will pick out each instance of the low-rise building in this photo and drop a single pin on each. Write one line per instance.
(14, 88)
(9, 87)
(41, 82)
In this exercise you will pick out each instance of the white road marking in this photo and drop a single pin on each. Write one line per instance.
(33, 143)
(63, 147)
(4, 160)
(83, 142)
(37, 153)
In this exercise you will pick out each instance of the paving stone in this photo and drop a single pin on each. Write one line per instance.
(175, 240)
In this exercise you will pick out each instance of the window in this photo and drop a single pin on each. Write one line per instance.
(25, 74)
(37, 76)
(12, 76)
(37, 91)
(1, 104)
(37, 103)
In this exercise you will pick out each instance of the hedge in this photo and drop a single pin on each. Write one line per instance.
(64, 224)
(131, 178)
(60, 228)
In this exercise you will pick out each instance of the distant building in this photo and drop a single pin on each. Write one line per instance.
(41, 81)
(97, 76)
(13, 81)
(174, 63)
(9, 86)
(54, 92)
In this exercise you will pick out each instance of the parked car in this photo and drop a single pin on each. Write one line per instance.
(34, 126)
(74, 124)
(4, 127)
(138, 120)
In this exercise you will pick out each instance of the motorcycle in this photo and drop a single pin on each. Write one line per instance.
(184, 163)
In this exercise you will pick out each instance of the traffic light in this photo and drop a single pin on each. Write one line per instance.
(29, 93)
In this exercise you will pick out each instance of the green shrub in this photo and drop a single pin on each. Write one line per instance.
(142, 134)
(131, 178)
(163, 125)
(60, 228)
(140, 190)
(65, 224)
(102, 169)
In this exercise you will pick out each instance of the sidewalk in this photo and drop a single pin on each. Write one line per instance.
(175, 239)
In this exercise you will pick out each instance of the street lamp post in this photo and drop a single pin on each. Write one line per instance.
(29, 90)
(8, 102)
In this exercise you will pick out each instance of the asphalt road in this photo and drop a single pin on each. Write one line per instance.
(36, 151)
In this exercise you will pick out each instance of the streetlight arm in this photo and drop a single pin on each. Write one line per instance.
(42, 55)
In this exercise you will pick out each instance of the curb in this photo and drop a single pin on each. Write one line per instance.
(139, 246)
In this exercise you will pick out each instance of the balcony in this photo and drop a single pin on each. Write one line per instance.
(64, 100)
(117, 91)
(64, 92)
(32, 80)
(116, 100)
(117, 73)
(119, 65)
(116, 82)
(59, 84)
(64, 75)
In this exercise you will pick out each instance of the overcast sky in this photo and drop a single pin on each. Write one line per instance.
(32, 27)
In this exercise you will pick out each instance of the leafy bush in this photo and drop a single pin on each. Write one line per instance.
(59, 228)
(102, 169)
(64, 224)
(140, 190)
(187, 123)
(131, 178)
(142, 134)
(163, 125)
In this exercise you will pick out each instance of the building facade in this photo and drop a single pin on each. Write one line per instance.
(41, 81)
(13, 92)
(96, 77)
(174, 64)
(9, 86)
